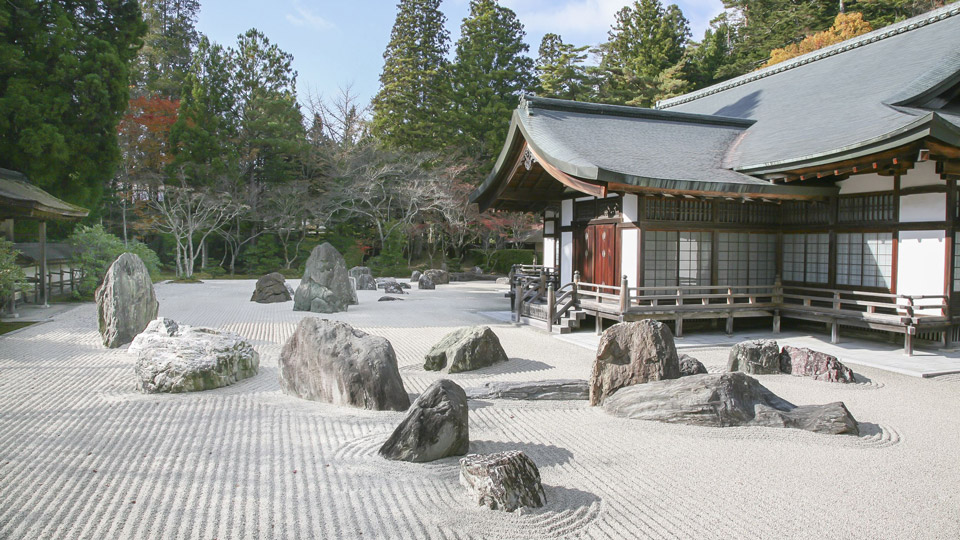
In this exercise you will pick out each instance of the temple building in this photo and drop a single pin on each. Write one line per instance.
(822, 188)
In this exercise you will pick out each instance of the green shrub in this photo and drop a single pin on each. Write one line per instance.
(390, 260)
(12, 278)
(263, 257)
(503, 260)
(215, 271)
(95, 251)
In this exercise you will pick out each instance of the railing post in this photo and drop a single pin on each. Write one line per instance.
(519, 306)
(576, 277)
(551, 306)
(624, 295)
(542, 288)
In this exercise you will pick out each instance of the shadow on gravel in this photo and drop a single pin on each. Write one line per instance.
(544, 455)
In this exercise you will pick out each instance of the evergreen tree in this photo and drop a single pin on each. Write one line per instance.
(881, 13)
(645, 40)
(490, 73)
(409, 110)
(562, 71)
(64, 84)
(708, 59)
(168, 46)
(208, 122)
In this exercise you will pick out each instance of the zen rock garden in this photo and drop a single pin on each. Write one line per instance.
(636, 373)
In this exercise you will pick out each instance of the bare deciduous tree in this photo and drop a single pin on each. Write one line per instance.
(191, 215)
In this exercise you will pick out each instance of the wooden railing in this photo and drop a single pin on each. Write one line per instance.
(889, 311)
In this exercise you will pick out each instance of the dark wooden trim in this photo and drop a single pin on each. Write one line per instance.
(587, 188)
(866, 194)
(894, 268)
(919, 190)
(626, 188)
(628, 225)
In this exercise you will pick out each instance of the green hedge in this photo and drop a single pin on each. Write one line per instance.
(503, 260)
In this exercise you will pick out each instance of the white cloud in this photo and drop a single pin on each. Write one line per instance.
(306, 17)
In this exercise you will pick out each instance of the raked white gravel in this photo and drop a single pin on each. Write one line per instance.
(83, 455)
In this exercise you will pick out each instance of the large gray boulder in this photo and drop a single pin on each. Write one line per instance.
(364, 278)
(756, 357)
(632, 353)
(439, 277)
(325, 287)
(178, 358)
(465, 349)
(435, 426)
(803, 362)
(415, 275)
(556, 389)
(333, 362)
(126, 302)
(723, 400)
(426, 283)
(502, 481)
(270, 289)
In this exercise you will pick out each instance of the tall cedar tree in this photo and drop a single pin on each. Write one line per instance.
(410, 109)
(64, 84)
(881, 13)
(168, 47)
(645, 40)
(562, 70)
(207, 123)
(490, 73)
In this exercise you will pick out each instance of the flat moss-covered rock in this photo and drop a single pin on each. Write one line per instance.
(724, 400)
(465, 349)
(178, 358)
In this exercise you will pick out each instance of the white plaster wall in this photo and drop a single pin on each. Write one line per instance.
(631, 208)
(921, 259)
(922, 174)
(566, 257)
(566, 212)
(866, 183)
(549, 252)
(923, 207)
(630, 254)
(548, 227)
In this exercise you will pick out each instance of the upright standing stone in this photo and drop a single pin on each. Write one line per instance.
(333, 362)
(415, 275)
(126, 302)
(425, 283)
(435, 426)
(633, 353)
(466, 349)
(325, 287)
(503, 481)
(756, 357)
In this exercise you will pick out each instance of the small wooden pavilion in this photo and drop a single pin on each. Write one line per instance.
(21, 200)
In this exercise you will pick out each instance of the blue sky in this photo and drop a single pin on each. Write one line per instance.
(341, 42)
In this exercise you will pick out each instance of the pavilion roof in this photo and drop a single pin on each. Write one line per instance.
(20, 199)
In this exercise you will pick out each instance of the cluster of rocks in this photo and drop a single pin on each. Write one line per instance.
(391, 285)
(174, 358)
(272, 288)
(126, 302)
(637, 374)
(765, 357)
(325, 287)
(363, 278)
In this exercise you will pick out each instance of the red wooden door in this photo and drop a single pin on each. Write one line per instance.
(585, 253)
(605, 254)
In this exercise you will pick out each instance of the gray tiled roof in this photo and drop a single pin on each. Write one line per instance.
(841, 99)
(642, 147)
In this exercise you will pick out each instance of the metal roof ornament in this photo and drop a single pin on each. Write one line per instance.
(528, 159)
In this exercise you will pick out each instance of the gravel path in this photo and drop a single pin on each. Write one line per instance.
(83, 455)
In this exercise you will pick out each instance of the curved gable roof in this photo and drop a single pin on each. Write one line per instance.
(842, 99)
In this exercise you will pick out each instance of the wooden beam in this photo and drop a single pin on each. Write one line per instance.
(722, 194)
(938, 149)
(582, 186)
